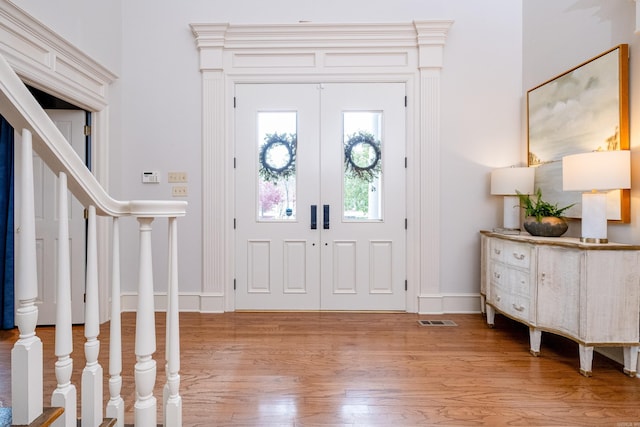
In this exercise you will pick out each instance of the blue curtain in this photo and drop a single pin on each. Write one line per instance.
(6, 225)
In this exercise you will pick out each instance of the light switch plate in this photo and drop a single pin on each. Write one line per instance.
(179, 191)
(177, 177)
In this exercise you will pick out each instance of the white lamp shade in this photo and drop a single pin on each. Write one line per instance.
(597, 170)
(508, 181)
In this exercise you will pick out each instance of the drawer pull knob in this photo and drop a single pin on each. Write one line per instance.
(518, 307)
(496, 275)
(497, 251)
(518, 256)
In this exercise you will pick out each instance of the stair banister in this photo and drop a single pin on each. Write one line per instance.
(22, 111)
(145, 342)
(92, 375)
(172, 399)
(65, 395)
(115, 406)
(40, 135)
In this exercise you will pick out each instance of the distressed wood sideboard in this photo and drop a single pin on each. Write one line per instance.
(589, 293)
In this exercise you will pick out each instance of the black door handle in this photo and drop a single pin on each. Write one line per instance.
(314, 217)
(325, 217)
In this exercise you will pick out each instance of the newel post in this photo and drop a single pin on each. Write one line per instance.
(26, 355)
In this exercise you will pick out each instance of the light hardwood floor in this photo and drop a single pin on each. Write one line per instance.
(366, 369)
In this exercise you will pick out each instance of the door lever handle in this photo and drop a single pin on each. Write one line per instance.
(314, 217)
(325, 217)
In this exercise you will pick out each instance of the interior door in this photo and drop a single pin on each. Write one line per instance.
(320, 200)
(71, 124)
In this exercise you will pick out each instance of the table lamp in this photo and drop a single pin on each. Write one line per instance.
(593, 173)
(508, 182)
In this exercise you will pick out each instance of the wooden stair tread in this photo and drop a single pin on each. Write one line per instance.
(48, 416)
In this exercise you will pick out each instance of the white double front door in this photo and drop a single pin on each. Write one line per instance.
(320, 196)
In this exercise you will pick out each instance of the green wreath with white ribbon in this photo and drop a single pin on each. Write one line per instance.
(278, 157)
(359, 163)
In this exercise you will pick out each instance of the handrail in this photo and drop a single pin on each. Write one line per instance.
(22, 111)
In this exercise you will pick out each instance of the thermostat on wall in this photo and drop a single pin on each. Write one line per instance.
(152, 177)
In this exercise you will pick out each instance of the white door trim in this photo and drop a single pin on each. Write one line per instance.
(308, 52)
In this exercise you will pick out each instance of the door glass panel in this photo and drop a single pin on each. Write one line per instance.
(362, 178)
(277, 145)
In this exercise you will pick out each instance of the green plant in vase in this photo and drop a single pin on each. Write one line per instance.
(543, 218)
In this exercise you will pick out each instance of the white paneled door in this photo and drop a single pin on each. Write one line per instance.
(320, 196)
(71, 124)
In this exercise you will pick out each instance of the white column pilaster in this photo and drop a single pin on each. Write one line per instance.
(431, 39)
(216, 166)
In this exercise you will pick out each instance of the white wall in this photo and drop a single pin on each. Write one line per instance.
(157, 108)
(94, 26)
(561, 34)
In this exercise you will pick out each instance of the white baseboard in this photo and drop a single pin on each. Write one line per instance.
(202, 303)
(448, 303)
(214, 303)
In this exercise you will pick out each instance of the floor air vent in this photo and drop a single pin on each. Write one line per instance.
(437, 323)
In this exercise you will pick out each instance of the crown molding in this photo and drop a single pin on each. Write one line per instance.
(428, 36)
(46, 61)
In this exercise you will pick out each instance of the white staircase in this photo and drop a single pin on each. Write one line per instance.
(39, 133)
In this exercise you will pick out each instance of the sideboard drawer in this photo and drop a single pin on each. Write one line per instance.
(511, 304)
(518, 255)
(496, 250)
(514, 281)
(498, 273)
(519, 282)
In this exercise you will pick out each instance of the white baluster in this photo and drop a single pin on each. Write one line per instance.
(64, 395)
(145, 368)
(92, 373)
(172, 399)
(26, 355)
(115, 406)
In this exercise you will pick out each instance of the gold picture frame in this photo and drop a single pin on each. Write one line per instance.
(581, 110)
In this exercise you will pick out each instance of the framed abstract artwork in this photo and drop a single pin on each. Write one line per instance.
(584, 109)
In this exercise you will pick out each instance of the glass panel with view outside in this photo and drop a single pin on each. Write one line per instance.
(362, 189)
(277, 144)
